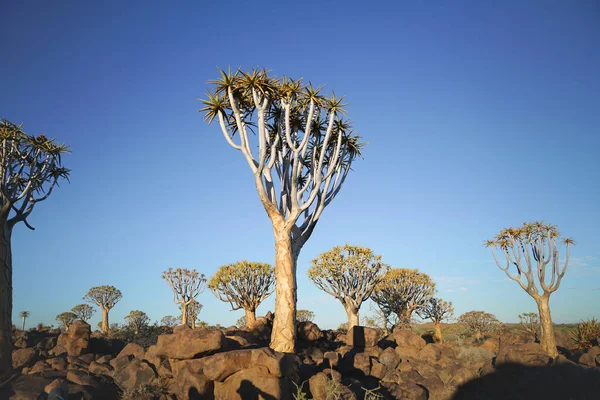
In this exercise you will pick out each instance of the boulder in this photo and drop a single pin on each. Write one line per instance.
(186, 343)
(220, 366)
(332, 358)
(97, 368)
(389, 359)
(491, 344)
(24, 387)
(589, 357)
(309, 331)
(133, 349)
(530, 354)
(406, 391)
(24, 358)
(323, 384)
(254, 383)
(57, 389)
(57, 363)
(360, 336)
(189, 382)
(81, 378)
(406, 339)
(76, 341)
(38, 367)
(134, 375)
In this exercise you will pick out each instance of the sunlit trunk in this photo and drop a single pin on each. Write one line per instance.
(353, 319)
(105, 320)
(438, 333)
(547, 340)
(23, 324)
(5, 301)
(283, 336)
(250, 318)
(184, 314)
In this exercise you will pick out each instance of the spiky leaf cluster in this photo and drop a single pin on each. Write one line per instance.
(304, 140)
(243, 284)
(349, 273)
(105, 296)
(402, 291)
(479, 322)
(437, 310)
(529, 251)
(30, 168)
(66, 319)
(83, 311)
(586, 334)
(186, 284)
(24, 314)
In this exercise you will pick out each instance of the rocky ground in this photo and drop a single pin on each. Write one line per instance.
(235, 363)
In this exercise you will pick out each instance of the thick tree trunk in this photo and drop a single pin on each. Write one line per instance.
(353, 319)
(547, 340)
(193, 323)
(250, 318)
(184, 314)
(283, 336)
(5, 301)
(437, 337)
(105, 320)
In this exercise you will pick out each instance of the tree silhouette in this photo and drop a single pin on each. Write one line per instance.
(104, 297)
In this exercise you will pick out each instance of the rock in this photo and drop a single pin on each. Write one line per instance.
(133, 349)
(309, 331)
(407, 339)
(389, 359)
(491, 344)
(189, 382)
(76, 341)
(460, 375)
(105, 359)
(220, 366)
(238, 340)
(378, 370)
(189, 343)
(314, 353)
(38, 367)
(332, 358)
(23, 358)
(406, 391)
(24, 387)
(254, 383)
(589, 357)
(134, 375)
(57, 363)
(530, 354)
(81, 378)
(360, 336)
(323, 384)
(47, 343)
(87, 358)
(97, 368)
(57, 390)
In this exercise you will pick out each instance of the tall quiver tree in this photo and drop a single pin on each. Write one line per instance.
(186, 286)
(437, 310)
(403, 291)
(529, 251)
(83, 311)
(243, 285)
(30, 168)
(24, 315)
(304, 153)
(104, 297)
(350, 274)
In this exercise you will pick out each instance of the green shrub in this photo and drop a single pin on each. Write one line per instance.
(585, 333)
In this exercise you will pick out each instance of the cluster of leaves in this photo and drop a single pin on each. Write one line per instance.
(104, 296)
(243, 284)
(479, 323)
(83, 311)
(586, 334)
(137, 320)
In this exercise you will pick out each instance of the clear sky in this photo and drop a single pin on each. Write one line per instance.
(479, 115)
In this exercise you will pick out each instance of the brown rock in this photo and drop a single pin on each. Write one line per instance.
(186, 343)
(253, 383)
(360, 336)
(87, 358)
(81, 378)
(97, 368)
(530, 354)
(134, 375)
(220, 366)
(133, 349)
(589, 357)
(460, 375)
(57, 389)
(378, 370)
(407, 339)
(324, 383)
(491, 344)
(406, 391)
(57, 363)
(24, 358)
(189, 382)
(38, 367)
(309, 331)
(389, 358)
(24, 387)
(76, 341)
(331, 357)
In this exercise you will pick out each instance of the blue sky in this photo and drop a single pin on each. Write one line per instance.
(479, 115)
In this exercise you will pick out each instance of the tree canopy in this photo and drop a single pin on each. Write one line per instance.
(66, 319)
(83, 311)
(104, 297)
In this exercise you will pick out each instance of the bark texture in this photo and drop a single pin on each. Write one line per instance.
(353, 319)
(105, 325)
(283, 337)
(438, 333)
(184, 313)
(250, 318)
(5, 302)
(547, 341)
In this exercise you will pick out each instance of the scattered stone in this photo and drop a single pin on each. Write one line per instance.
(186, 343)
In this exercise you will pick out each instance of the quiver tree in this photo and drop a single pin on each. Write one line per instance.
(530, 323)
(403, 291)
(169, 320)
(305, 316)
(83, 311)
(530, 253)
(23, 315)
(104, 297)
(244, 285)
(186, 286)
(479, 323)
(350, 274)
(66, 319)
(137, 320)
(30, 168)
(437, 310)
(193, 309)
(305, 149)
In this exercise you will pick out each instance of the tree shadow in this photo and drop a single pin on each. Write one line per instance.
(517, 381)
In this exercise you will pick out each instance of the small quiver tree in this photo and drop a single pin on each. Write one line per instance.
(186, 286)
(530, 323)
(193, 310)
(403, 291)
(437, 310)
(479, 323)
(30, 168)
(243, 285)
(24, 315)
(305, 151)
(66, 319)
(83, 311)
(169, 320)
(305, 316)
(137, 320)
(104, 297)
(350, 274)
(530, 252)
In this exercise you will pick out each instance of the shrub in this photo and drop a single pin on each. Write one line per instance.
(475, 354)
(586, 333)
(155, 389)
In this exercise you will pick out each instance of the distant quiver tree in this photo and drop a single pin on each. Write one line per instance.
(186, 286)
(305, 150)
(30, 169)
(83, 311)
(104, 297)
